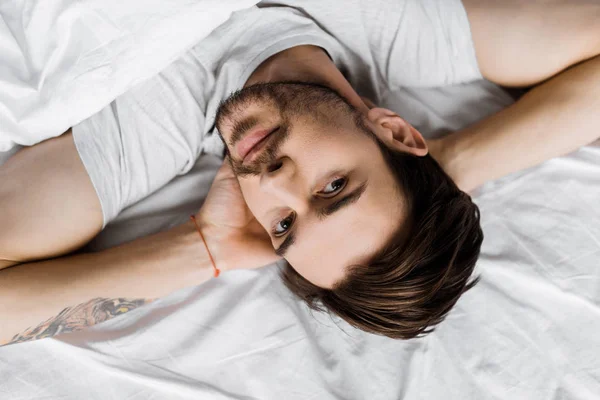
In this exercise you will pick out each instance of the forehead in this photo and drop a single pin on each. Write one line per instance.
(325, 248)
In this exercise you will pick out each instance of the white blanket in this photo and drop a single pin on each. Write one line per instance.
(529, 330)
(63, 60)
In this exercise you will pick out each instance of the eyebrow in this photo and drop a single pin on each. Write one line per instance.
(323, 213)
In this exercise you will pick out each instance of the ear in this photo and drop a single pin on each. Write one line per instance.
(395, 132)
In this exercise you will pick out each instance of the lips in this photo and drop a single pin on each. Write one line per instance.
(252, 142)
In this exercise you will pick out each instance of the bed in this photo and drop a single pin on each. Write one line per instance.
(529, 330)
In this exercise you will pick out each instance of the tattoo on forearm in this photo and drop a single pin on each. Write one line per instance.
(78, 317)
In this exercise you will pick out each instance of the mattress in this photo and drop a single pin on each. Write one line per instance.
(529, 330)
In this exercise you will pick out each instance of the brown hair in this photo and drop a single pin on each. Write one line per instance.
(415, 279)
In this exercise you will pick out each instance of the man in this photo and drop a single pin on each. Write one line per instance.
(374, 229)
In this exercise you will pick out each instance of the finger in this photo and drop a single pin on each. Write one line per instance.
(225, 171)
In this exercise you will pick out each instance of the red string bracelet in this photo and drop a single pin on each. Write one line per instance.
(217, 270)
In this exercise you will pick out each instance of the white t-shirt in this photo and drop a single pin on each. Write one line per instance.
(157, 130)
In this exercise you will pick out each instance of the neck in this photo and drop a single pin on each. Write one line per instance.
(306, 64)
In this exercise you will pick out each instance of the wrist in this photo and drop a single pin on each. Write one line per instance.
(443, 152)
(452, 155)
(213, 241)
(187, 241)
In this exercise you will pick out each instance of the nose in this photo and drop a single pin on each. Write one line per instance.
(287, 185)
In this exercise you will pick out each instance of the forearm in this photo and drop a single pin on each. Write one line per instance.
(551, 120)
(70, 293)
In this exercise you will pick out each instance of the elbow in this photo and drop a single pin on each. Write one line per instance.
(7, 259)
(9, 241)
(5, 263)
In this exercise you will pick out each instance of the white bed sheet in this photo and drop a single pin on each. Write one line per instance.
(529, 330)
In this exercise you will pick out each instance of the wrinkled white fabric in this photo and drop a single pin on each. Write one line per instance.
(527, 331)
(63, 60)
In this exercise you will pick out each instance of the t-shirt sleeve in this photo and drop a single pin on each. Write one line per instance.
(394, 43)
(421, 43)
(144, 138)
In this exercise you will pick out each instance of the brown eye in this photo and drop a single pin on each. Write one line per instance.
(334, 187)
(284, 225)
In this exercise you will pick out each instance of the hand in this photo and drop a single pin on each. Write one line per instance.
(234, 237)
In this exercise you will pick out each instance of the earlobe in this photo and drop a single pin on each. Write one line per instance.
(396, 132)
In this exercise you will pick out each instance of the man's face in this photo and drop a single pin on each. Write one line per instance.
(315, 181)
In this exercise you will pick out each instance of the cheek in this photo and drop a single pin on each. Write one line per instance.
(256, 200)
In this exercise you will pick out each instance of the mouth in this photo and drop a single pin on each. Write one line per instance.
(253, 142)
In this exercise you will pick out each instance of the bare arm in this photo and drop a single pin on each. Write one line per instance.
(43, 299)
(48, 205)
(551, 120)
(525, 43)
